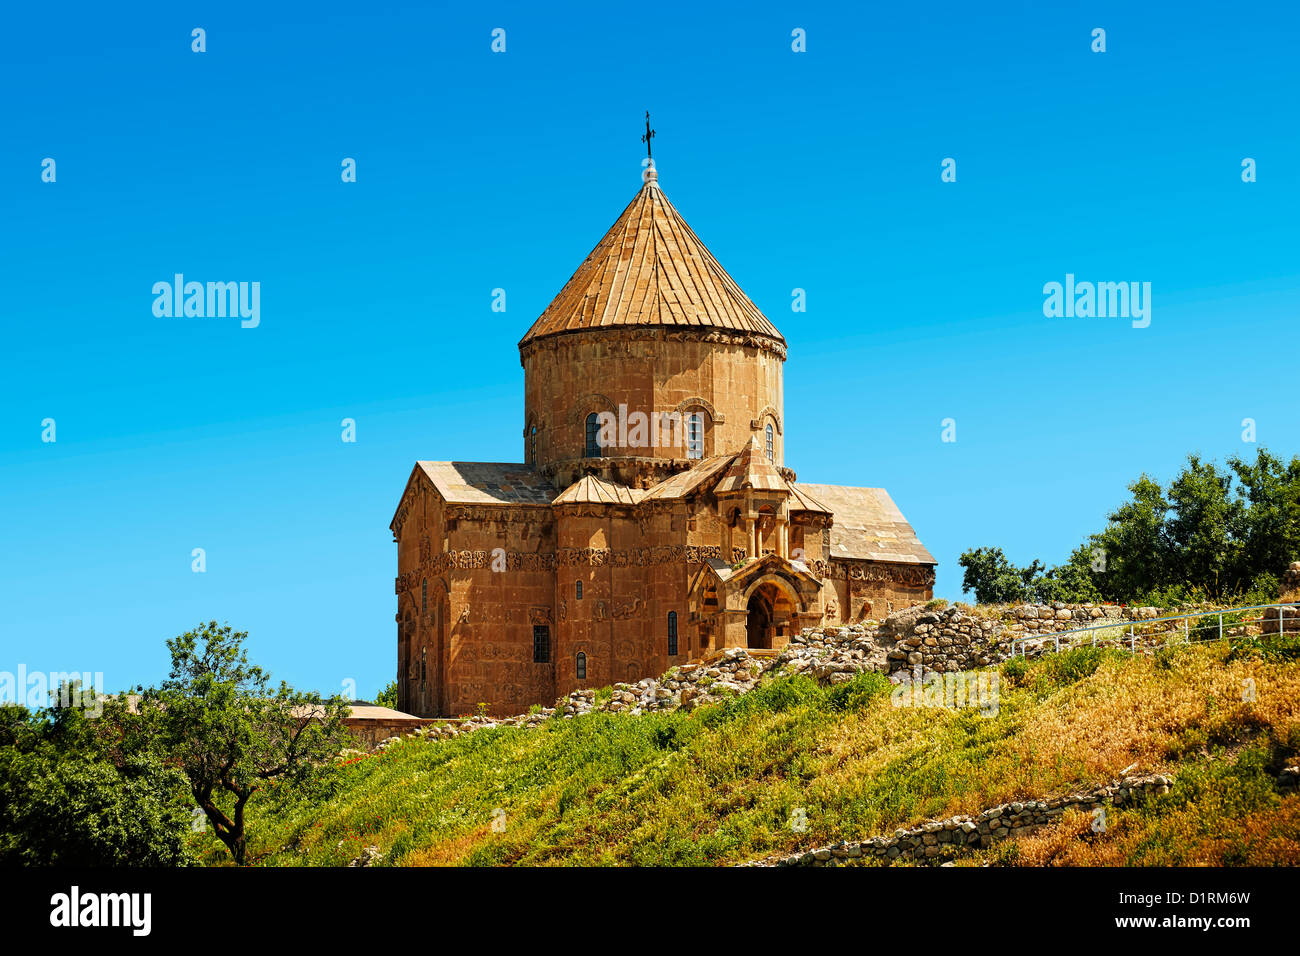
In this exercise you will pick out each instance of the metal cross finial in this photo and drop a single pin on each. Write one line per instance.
(648, 135)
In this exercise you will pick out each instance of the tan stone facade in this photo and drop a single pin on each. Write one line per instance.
(653, 520)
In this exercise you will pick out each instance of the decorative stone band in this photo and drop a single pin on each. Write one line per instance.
(901, 574)
(658, 334)
(908, 575)
(942, 838)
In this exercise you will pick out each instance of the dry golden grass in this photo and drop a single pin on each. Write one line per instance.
(720, 785)
(1188, 836)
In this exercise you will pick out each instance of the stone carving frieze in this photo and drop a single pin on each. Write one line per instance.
(912, 576)
(653, 334)
(907, 575)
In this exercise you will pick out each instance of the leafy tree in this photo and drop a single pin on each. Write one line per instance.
(1199, 529)
(71, 795)
(993, 578)
(1200, 538)
(388, 696)
(1134, 545)
(1071, 582)
(230, 733)
(1268, 524)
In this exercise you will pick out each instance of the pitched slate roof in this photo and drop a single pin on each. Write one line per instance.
(685, 483)
(651, 269)
(487, 483)
(591, 489)
(868, 525)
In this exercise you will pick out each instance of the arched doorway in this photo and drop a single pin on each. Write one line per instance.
(758, 620)
(769, 615)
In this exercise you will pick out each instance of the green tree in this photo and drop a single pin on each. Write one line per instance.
(1268, 522)
(1199, 529)
(71, 795)
(1072, 582)
(1134, 545)
(388, 696)
(1203, 536)
(230, 733)
(993, 578)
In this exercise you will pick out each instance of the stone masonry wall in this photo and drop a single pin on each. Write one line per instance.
(958, 638)
(945, 837)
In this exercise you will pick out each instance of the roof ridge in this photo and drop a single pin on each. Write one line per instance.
(651, 269)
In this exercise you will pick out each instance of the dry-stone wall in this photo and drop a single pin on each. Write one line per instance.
(959, 638)
(940, 839)
(950, 639)
(1285, 620)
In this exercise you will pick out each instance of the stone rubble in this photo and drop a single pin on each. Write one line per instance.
(932, 637)
(369, 857)
(732, 672)
(937, 839)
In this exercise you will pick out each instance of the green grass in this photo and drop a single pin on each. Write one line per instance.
(722, 784)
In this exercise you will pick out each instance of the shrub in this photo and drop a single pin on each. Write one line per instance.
(858, 693)
(1014, 670)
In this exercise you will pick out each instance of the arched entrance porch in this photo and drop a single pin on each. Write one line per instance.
(769, 613)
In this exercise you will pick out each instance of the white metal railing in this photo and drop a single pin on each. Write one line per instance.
(1134, 629)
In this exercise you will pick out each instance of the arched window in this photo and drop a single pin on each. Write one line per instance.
(695, 435)
(532, 445)
(672, 633)
(593, 449)
(770, 447)
(541, 644)
(424, 596)
(577, 590)
(580, 665)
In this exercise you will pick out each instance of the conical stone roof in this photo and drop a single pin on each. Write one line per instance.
(591, 489)
(751, 469)
(652, 270)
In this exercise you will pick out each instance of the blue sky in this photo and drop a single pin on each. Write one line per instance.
(817, 170)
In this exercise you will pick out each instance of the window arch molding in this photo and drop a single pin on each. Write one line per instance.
(714, 418)
(532, 430)
(768, 412)
(592, 402)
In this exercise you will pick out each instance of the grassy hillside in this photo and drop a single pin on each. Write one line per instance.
(720, 785)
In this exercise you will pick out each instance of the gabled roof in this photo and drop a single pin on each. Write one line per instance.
(751, 469)
(686, 483)
(868, 525)
(756, 567)
(591, 489)
(802, 501)
(487, 483)
(651, 269)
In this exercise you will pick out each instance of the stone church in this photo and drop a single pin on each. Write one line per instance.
(653, 519)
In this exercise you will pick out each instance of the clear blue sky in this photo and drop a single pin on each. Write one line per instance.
(818, 170)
